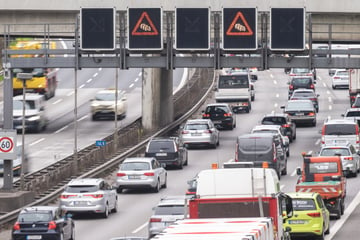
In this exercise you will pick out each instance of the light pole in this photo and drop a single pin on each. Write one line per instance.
(23, 77)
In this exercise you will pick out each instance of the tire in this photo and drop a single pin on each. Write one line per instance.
(119, 190)
(187, 160)
(115, 209)
(61, 236)
(156, 189)
(284, 172)
(338, 210)
(288, 152)
(93, 118)
(105, 214)
(342, 206)
(72, 232)
(253, 98)
(313, 124)
(322, 236)
(181, 165)
(327, 230)
(165, 184)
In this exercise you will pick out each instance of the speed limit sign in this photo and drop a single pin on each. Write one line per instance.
(8, 144)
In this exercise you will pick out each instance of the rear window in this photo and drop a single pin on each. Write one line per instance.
(342, 73)
(35, 217)
(340, 129)
(353, 114)
(323, 167)
(135, 166)
(274, 120)
(300, 70)
(297, 105)
(161, 146)
(234, 81)
(335, 152)
(170, 210)
(196, 127)
(255, 144)
(303, 204)
(302, 81)
(81, 188)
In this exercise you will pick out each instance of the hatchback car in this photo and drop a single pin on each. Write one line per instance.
(310, 218)
(352, 114)
(297, 82)
(340, 79)
(168, 151)
(303, 72)
(167, 211)
(350, 158)
(221, 115)
(199, 132)
(301, 94)
(284, 121)
(43, 222)
(89, 195)
(106, 103)
(301, 111)
(139, 173)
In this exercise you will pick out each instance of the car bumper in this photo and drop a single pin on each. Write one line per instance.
(305, 230)
(35, 235)
(201, 140)
(82, 206)
(136, 184)
(303, 119)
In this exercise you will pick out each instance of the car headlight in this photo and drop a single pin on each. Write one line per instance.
(33, 118)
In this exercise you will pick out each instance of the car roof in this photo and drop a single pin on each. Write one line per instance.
(171, 200)
(300, 100)
(217, 104)
(198, 121)
(334, 145)
(340, 121)
(138, 159)
(40, 208)
(257, 135)
(276, 115)
(311, 195)
(276, 127)
(303, 90)
(85, 181)
(353, 110)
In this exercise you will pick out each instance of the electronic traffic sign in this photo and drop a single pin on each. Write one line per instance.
(239, 28)
(192, 28)
(97, 27)
(287, 29)
(145, 28)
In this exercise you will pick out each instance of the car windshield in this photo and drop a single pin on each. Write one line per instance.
(303, 204)
(254, 144)
(299, 105)
(342, 73)
(196, 127)
(340, 129)
(302, 81)
(234, 81)
(35, 217)
(161, 146)
(265, 131)
(170, 210)
(135, 166)
(106, 96)
(81, 188)
(335, 152)
(323, 167)
(18, 104)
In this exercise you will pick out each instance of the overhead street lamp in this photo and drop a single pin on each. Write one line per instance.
(23, 77)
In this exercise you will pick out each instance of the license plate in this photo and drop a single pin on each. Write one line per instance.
(134, 177)
(79, 203)
(216, 122)
(33, 237)
(161, 154)
(299, 114)
(297, 221)
(196, 134)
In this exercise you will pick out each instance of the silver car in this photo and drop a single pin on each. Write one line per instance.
(168, 210)
(141, 172)
(198, 132)
(89, 195)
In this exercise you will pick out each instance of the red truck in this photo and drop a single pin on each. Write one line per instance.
(325, 176)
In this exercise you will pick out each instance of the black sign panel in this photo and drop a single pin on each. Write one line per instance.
(239, 28)
(287, 29)
(145, 25)
(97, 28)
(192, 28)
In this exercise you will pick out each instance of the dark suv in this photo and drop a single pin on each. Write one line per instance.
(284, 121)
(301, 82)
(168, 151)
(221, 115)
(43, 222)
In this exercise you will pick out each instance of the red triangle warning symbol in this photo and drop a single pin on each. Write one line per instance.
(239, 27)
(144, 26)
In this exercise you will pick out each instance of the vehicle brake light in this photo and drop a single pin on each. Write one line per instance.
(311, 114)
(184, 132)
(16, 226)
(227, 114)
(336, 78)
(206, 115)
(149, 174)
(315, 214)
(312, 86)
(52, 225)
(121, 174)
(66, 196)
(348, 158)
(285, 125)
(313, 99)
(155, 219)
(207, 131)
(94, 195)
(291, 87)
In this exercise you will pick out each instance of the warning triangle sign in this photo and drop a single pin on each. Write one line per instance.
(144, 26)
(239, 27)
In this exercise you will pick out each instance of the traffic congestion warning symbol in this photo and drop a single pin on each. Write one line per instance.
(239, 26)
(145, 26)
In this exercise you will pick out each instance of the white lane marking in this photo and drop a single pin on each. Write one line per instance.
(140, 73)
(317, 141)
(327, 92)
(95, 74)
(277, 95)
(100, 69)
(61, 129)
(272, 76)
(89, 80)
(324, 84)
(275, 105)
(70, 93)
(319, 78)
(136, 79)
(36, 142)
(139, 228)
(329, 99)
(82, 118)
(338, 224)
(131, 85)
(330, 107)
(293, 173)
(57, 101)
(82, 85)
(275, 82)
(282, 186)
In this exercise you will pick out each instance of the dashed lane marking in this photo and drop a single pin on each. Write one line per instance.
(37, 141)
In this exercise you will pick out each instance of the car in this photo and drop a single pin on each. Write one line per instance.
(192, 185)
(221, 115)
(169, 151)
(300, 82)
(275, 129)
(18, 165)
(311, 218)
(284, 121)
(300, 94)
(35, 112)
(251, 71)
(89, 195)
(252, 91)
(350, 158)
(104, 104)
(352, 114)
(340, 79)
(140, 173)
(303, 72)
(356, 103)
(43, 222)
(323, 47)
(166, 212)
(301, 111)
(199, 132)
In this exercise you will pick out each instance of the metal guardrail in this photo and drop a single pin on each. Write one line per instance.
(196, 91)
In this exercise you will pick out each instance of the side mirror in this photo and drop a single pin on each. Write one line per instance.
(343, 115)
(298, 171)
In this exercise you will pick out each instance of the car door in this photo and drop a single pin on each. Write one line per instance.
(215, 131)
(159, 171)
(110, 193)
(63, 222)
(324, 212)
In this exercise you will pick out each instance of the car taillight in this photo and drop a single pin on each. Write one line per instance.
(16, 226)
(311, 114)
(227, 114)
(313, 99)
(94, 195)
(206, 115)
(155, 219)
(149, 174)
(348, 158)
(336, 78)
(121, 174)
(184, 132)
(285, 125)
(291, 87)
(316, 214)
(66, 196)
(312, 86)
(52, 225)
(207, 131)
(294, 98)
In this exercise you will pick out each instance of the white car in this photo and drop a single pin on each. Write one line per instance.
(106, 103)
(340, 79)
(276, 129)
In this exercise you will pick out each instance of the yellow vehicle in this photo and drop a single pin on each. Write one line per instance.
(310, 218)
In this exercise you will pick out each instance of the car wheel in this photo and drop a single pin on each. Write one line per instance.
(327, 230)
(61, 236)
(186, 160)
(157, 187)
(333, 87)
(288, 152)
(322, 236)
(115, 209)
(165, 183)
(342, 206)
(354, 174)
(72, 232)
(284, 171)
(119, 190)
(105, 214)
(93, 117)
(314, 123)
(338, 210)
(181, 165)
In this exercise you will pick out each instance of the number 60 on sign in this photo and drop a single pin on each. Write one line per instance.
(8, 145)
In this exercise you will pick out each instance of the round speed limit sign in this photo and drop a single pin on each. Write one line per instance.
(6, 144)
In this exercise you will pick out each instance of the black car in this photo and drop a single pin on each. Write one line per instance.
(45, 223)
(301, 111)
(221, 115)
(300, 94)
(167, 151)
(284, 121)
(297, 82)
